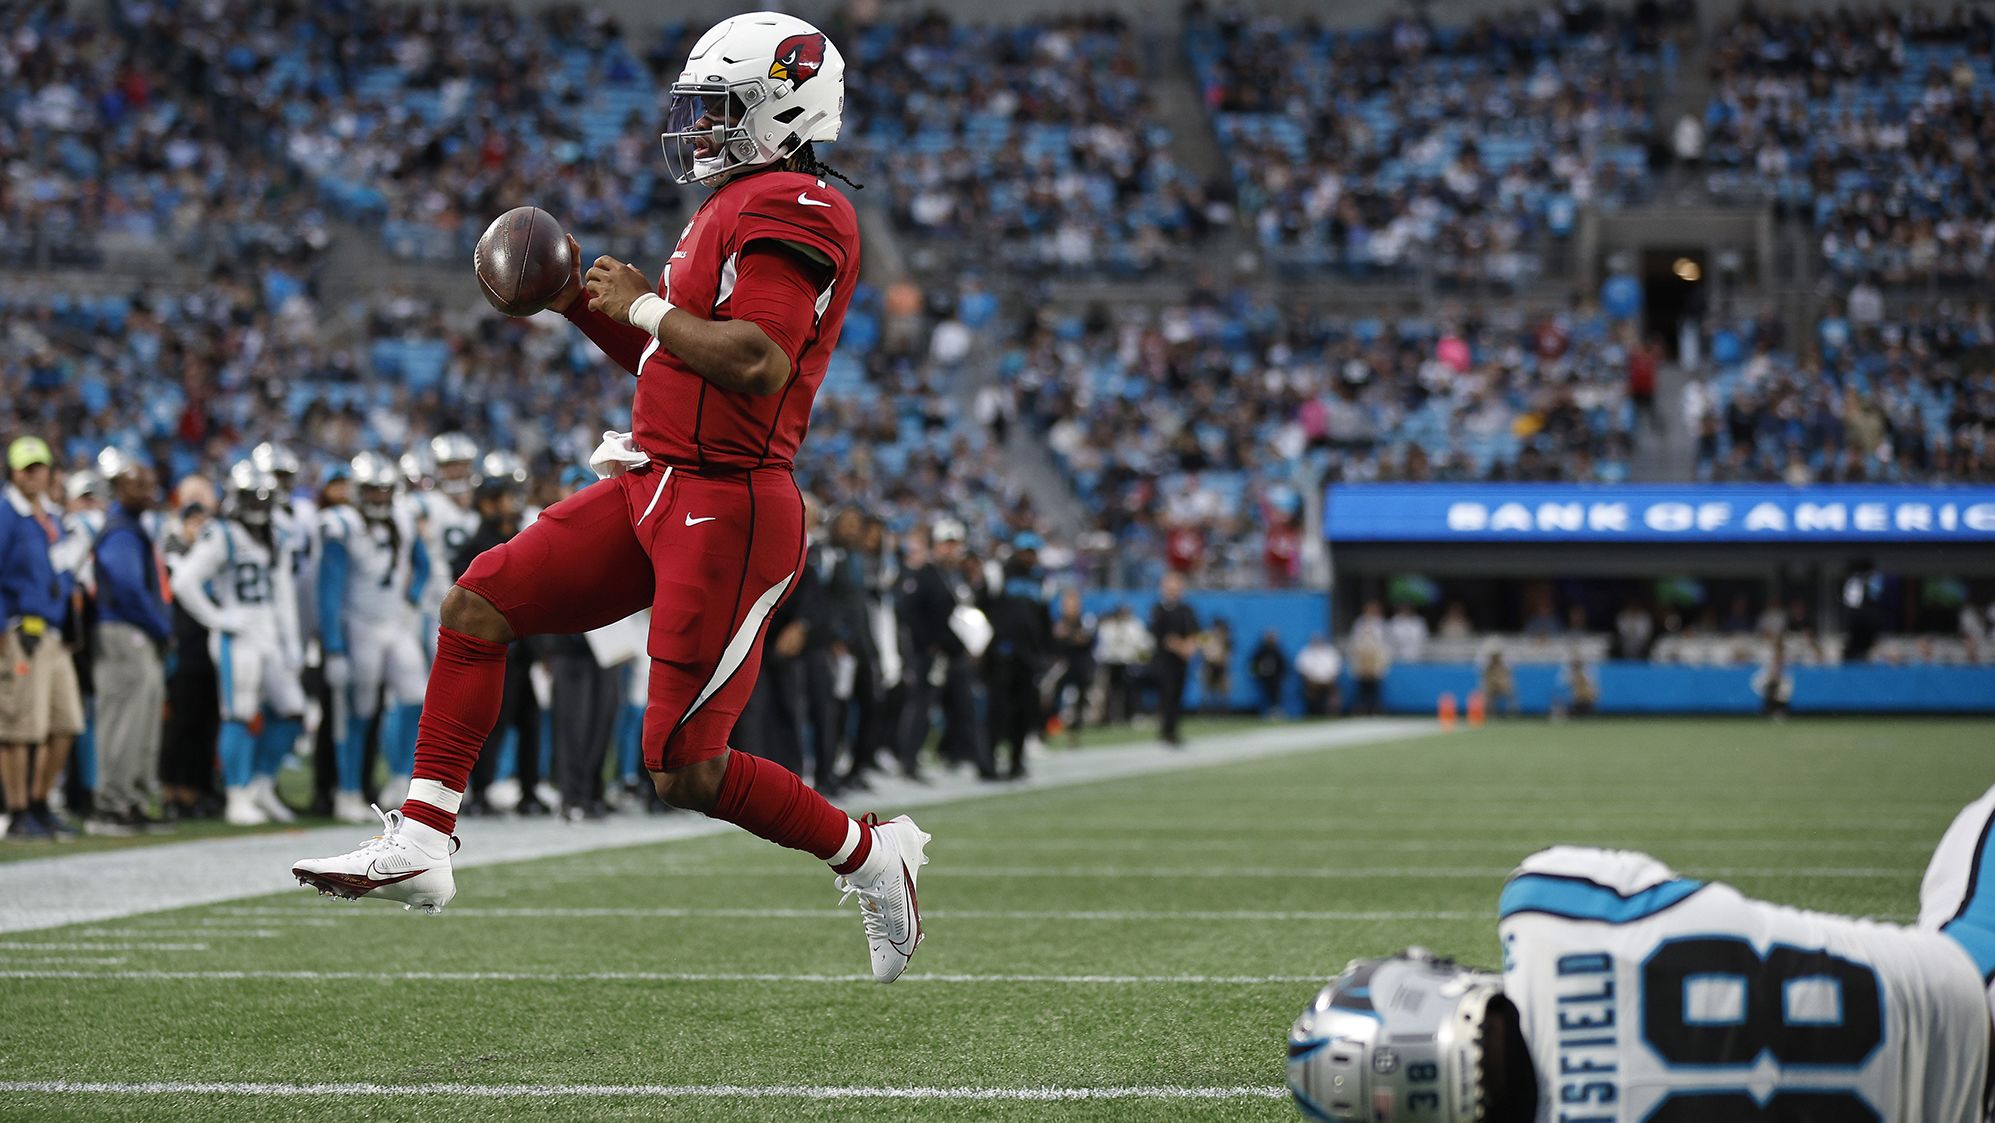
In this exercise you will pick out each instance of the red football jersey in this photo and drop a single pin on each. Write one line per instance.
(681, 418)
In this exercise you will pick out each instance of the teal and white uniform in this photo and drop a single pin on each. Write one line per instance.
(1648, 997)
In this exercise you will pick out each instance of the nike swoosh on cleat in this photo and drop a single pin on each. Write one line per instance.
(914, 908)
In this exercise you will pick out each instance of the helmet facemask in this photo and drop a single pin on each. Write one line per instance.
(707, 135)
(377, 501)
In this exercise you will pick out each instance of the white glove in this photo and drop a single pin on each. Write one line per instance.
(339, 672)
(616, 455)
(231, 621)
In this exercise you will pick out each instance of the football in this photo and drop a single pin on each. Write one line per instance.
(523, 260)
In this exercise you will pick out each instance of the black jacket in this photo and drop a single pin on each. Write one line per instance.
(926, 602)
(1268, 662)
(1172, 620)
(1021, 626)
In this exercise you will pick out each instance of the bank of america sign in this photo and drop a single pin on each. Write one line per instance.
(1648, 512)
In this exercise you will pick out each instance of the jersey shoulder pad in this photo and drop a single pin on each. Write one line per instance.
(1582, 883)
(793, 207)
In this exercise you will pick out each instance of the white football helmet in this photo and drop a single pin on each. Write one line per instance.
(86, 484)
(276, 459)
(376, 478)
(456, 458)
(250, 494)
(757, 88)
(501, 470)
(1400, 1038)
(417, 470)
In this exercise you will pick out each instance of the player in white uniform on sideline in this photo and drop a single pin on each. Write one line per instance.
(236, 582)
(449, 517)
(297, 521)
(373, 567)
(1630, 994)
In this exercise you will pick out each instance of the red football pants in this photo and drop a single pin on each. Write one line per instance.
(711, 556)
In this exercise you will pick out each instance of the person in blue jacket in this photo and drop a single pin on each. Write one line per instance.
(41, 706)
(134, 627)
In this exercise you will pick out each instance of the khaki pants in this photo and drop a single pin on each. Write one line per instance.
(39, 697)
(131, 696)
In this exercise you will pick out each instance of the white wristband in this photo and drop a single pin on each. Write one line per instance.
(648, 311)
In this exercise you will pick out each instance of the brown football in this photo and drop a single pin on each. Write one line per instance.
(522, 261)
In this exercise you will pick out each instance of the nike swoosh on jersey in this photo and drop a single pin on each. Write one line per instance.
(691, 521)
(804, 199)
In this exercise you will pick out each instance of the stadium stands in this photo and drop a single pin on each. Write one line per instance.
(97, 144)
(1465, 153)
(1023, 146)
(1874, 125)
(428, 121)
(1214, 417)
(231, 132)
(1911, 401)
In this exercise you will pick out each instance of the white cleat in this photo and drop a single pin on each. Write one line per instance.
(349, 807)
(242, 810)
(887, 905)
(389, 867)
(263, 792)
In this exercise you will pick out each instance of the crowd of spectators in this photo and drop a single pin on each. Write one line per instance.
(96, 144)
(429, 120)
(1026, 145)
(1463, 153)
(1193, 430)
(195, 377)
(1874, 124)
(1908, 401)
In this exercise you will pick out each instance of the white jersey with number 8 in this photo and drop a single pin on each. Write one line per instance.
(1651, 998)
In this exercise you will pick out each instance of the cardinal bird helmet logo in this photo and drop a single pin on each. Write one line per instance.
(798, 59)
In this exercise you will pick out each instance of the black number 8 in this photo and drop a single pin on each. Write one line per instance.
(1762, 1027)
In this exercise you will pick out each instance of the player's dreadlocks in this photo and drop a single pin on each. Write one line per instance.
(805, 160)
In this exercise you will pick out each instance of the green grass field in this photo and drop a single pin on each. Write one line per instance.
(1160, 931)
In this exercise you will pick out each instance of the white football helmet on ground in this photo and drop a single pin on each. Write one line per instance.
(757, 88)
(1406, 1037)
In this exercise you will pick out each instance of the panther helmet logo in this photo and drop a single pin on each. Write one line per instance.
(798, 59)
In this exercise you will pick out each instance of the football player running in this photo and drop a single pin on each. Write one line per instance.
(1631, 993)
(235, 581)
(700, 519)
(373, 567)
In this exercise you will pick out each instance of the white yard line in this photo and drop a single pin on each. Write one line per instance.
(639, 1091)
(94, 945)
(1493, 874)
(481, 912)
(655, 977)
(49, 892)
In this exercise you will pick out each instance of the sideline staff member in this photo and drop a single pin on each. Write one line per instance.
(41, 707)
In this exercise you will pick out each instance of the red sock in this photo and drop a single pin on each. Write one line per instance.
(459, 710)
(768, 800)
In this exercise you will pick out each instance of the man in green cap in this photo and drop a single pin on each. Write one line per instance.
(41, 709)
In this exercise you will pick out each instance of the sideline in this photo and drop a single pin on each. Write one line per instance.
(58, 890)
(638, 1091)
